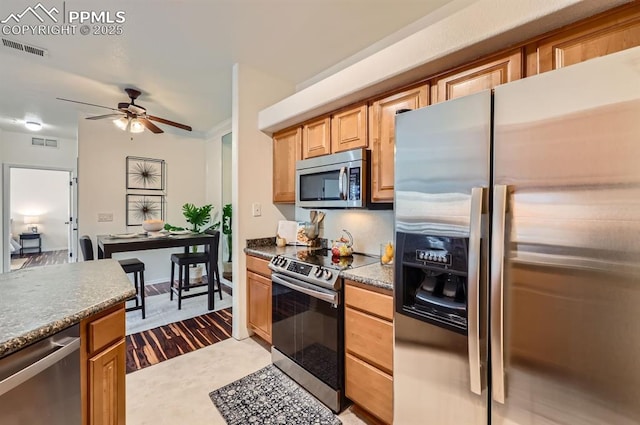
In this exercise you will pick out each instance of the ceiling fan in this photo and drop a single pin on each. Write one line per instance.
(132, 117)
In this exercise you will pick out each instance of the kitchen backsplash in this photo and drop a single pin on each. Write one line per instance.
(369, 228)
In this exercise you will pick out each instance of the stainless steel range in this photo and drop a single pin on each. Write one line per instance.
(308, 320)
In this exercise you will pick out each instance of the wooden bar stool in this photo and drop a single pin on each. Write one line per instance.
(184, 261)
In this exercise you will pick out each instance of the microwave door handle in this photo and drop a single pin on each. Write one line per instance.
(473, 304)
(341, 185)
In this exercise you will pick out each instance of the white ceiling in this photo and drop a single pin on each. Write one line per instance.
(180, 54)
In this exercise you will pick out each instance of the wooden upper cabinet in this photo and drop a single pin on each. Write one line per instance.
(316, 138)
(382, 135)
(608, 34)
(286, 151)
(478, 77)
(349, 129)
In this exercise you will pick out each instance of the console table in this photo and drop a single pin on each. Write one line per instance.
(30, 237)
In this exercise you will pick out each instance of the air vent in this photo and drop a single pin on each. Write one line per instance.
(24, 47)
(40, 142)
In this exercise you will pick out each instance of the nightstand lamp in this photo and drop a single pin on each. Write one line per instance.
(31, 221)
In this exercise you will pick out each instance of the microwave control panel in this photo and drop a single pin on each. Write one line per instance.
(354, 184)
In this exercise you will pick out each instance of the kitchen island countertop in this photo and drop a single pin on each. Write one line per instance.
(375, 275)
(38, 302)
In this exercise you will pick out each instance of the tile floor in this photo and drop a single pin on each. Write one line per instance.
(177, 391)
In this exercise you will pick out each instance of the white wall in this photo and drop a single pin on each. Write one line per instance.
(42, 193)
(252, 90)
(102, 152)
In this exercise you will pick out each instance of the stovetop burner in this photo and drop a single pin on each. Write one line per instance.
(323, 258)
(317, 266)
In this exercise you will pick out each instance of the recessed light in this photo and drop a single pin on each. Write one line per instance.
(33, 126)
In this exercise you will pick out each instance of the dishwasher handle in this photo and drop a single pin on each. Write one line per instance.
(62, 350)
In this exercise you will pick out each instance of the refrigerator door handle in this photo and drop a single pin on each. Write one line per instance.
(473, 289)
(497, 292)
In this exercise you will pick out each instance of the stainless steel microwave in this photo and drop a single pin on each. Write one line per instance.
(332, 181)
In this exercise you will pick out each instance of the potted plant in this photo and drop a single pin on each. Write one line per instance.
(226, 230)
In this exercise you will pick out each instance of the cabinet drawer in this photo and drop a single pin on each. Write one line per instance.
(369, 387)
(106, 330)
(369, 338)
(372, 302)
(258, 265)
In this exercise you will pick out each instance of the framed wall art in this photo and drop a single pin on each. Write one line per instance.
(144, 207)
(145, 173)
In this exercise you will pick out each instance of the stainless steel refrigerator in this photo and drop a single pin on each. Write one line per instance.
(517, 273)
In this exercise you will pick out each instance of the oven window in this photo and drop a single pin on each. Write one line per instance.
(320, 186)
(307, 330)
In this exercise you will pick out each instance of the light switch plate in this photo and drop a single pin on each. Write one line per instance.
(256, 209)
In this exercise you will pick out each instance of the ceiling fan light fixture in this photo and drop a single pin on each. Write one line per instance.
(121, 123)
(136, 126)
(33, 126)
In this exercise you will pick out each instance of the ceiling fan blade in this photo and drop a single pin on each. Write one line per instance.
(150, 126)
(175, 124)
(85, 103)
(99, 117)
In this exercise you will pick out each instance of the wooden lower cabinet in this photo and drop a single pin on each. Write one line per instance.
(259, 297)
(103, 370)
(107, 392)
(369, 349)
(369, 387)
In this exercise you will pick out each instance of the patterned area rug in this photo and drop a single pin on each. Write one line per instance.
(268, 396)
(166, 342)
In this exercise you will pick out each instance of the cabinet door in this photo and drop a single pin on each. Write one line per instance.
(107, 386)
(382, 134)
(349, 129)
(286, 151)
(369, 387)
(478, 77)
(316, 138)
(259, 301)
(605, 35)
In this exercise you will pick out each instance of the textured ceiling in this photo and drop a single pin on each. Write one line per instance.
(180, 54)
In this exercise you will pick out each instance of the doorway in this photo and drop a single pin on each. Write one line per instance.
(226, 209)
(38, 217)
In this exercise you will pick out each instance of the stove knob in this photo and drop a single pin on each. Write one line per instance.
(327, 275)
(274, 260)
(318, 272)
(421, 255)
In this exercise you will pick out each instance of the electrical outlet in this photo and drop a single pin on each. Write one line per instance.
(256, 209)
(104, 217)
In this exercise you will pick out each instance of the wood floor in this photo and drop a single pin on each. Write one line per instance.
(150, 347)
(46, 258)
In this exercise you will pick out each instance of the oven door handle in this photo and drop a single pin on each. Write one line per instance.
(324, 296)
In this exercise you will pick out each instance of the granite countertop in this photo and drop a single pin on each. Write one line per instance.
(375, 274)
(38, 302)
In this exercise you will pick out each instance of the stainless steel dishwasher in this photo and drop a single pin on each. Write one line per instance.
(40, 384)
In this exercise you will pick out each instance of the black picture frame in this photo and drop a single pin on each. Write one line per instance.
(142, 207)
(145, 173)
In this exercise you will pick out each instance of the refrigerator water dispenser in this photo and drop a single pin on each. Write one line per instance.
(433, 285)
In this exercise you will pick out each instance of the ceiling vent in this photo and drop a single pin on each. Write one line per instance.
(38, 51)
(40, 142)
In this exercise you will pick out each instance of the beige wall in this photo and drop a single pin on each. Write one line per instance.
(252, 90)
(102, 151)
